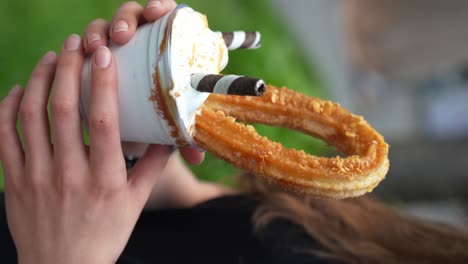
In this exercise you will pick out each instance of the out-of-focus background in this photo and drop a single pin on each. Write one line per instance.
(402, 64)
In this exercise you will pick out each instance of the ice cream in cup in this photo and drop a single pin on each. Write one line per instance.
(156, 101)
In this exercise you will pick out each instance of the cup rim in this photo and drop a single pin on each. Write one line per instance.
(169, 78)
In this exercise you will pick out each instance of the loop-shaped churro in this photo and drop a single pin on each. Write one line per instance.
(364, 167)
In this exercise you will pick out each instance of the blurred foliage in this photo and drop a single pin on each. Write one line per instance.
(30, 28)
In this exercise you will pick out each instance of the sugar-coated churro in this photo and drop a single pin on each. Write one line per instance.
(364, 167)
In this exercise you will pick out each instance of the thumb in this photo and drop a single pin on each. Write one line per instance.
(143, 176)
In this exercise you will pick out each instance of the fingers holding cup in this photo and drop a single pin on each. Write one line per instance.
(95, 35)
(65, 113)
(103, 119)
(155, 9)
(125, 22)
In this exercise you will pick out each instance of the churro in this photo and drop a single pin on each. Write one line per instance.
(365, 165)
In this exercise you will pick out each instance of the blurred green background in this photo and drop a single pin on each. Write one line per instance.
(30, 28)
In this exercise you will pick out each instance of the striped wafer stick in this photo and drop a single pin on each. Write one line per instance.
(227, 84)
(242, 40)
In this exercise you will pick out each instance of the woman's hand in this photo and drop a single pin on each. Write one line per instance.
(66, 202)
(124, 24)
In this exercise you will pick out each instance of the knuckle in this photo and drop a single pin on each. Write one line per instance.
(36, 185)
(104, 82)
(40, 72)
(6, 121)
(35, 181)
(5, 129)
(29, 111)
(66, 181)
(13, 181)
(62, 107)
(69, 62)
(14, 186)
(106, 188)
(103, 123)
(108, 183)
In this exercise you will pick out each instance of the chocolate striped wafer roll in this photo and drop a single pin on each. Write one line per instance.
(228, 84)
(242, 40)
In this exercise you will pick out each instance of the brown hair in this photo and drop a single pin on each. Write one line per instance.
(360, 230)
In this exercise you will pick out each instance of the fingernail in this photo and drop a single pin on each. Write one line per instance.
(93, 37)
(102, 57)
(120, 26)
(15, 90)
(48, 58)
(153, 3)
(72, 43)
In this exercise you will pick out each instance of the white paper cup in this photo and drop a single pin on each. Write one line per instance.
(148, 112)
